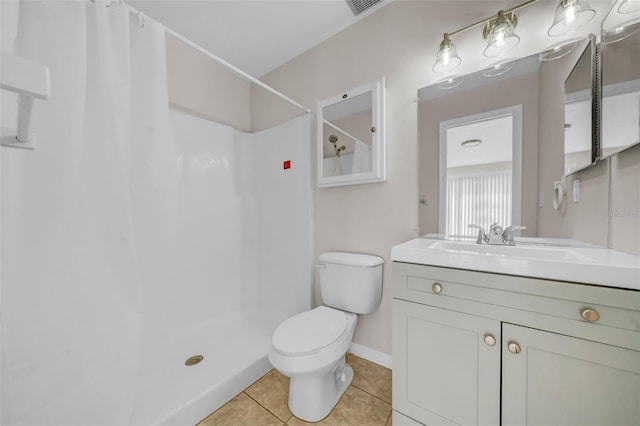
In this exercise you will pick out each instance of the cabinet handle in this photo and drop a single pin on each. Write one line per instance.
(436, 288)
(590, 315)
(489, 339)
(514, 348)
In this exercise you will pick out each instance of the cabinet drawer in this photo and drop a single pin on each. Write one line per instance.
(506, 297)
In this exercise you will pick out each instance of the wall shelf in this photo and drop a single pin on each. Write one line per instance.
(30, 80)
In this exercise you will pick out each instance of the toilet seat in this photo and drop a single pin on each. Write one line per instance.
(309, 331)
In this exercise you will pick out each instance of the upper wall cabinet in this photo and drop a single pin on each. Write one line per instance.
(620, 79)
(351, 137)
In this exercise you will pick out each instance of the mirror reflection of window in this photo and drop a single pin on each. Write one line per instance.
(479, 174)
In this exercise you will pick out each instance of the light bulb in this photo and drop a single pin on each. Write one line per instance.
(571, 14)
(446, 57)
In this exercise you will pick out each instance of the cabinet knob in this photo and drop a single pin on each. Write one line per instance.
(436, 288)
(373, 130)
(514, 348)
(590, 315)
(489, 339)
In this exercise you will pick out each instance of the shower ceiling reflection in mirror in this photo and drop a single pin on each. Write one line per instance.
(553, 28)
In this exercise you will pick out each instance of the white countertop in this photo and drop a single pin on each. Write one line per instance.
(561, 260)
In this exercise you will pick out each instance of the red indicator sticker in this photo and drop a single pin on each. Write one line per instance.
(286, 165)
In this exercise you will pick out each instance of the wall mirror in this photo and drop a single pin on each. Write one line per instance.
(620, 80)
(351, 137)
(580, 138)
(515, 110)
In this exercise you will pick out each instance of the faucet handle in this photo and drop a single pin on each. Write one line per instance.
(507, 234)
(482, 236)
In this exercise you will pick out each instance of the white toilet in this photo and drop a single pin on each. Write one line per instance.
(310, 347)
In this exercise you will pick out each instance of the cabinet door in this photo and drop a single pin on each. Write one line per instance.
(560, 380)
(443, 371)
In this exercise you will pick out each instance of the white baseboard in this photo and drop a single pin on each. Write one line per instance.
(372, 355)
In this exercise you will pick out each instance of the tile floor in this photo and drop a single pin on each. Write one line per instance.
(366, 402)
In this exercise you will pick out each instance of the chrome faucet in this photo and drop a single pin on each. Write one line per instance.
(507, 234)
(482, 237)
(497, 235)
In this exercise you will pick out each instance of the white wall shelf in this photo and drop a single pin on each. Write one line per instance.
(30, 80)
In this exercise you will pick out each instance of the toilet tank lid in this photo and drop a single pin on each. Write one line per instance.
(350, 259)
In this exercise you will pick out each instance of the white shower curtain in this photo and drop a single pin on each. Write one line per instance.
(362, 158)
(72, 314)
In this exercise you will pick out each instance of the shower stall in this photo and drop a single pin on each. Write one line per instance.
(147, 254)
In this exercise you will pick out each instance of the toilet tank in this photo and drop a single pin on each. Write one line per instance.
(350, 281)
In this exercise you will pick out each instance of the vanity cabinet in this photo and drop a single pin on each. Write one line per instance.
(448, 375)
(474, 348)
(562, 380)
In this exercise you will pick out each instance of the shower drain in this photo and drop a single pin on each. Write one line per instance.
(193, 360)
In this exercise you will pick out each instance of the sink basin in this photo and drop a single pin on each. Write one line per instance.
(535, 258)
(522, 252)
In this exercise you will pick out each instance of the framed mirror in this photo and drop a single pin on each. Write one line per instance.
(351, 137)
(620, 82)
(580, 113)
(522, 105)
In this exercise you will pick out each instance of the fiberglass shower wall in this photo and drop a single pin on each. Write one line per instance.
(242, 224)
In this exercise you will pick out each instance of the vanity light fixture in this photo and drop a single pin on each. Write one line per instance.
(447, 58)
(570, 16)
(471, 143)
(499, 34)
(629, 6)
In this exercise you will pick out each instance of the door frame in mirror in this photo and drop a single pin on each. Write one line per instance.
(516, 162)
(378, 171)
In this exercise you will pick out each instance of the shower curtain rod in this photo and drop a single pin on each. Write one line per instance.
(221, 61)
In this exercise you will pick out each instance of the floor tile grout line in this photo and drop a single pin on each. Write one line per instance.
(286, 422)
(369, 393)
(269, 411)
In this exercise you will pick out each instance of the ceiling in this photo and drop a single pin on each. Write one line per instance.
(256, 36)
(496, 134)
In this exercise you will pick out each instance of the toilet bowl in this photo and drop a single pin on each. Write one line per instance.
(310, 347)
